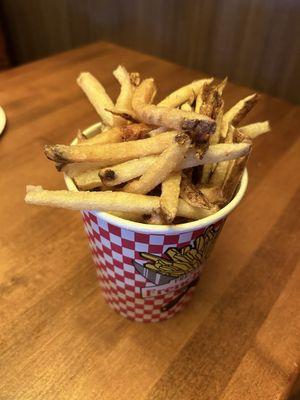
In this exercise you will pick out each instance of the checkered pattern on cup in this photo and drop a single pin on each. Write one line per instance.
(131, 289)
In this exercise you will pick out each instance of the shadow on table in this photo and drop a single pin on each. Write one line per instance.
(295, 394)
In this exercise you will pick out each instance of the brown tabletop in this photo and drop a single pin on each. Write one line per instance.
(237, 339)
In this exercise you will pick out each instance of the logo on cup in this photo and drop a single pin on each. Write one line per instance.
(178, 268)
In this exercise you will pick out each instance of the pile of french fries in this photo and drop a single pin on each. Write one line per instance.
(179, 160)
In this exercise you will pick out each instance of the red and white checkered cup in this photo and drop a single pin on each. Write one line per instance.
(148, 272)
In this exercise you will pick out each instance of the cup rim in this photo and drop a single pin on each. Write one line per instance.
(163, 229)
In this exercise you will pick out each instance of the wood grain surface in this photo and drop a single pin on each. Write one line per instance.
(237, 339)
(255, 42)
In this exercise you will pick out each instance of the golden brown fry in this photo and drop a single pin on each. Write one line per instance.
(213, 194)
(126, 171)
(184, 94)
(240, 109)
(212, 105)
(219, 173)
(125, 97)
(254, 130)
(107, 201)
(234, 177)
(154, 219)
(97, 95)
(200, 126)
(113, 135)
(186, 107)
(129, 170)
(170, 189)
(192, 195)
(112, 153)
(88, 180)
(128, 216)
(75, 169)
(167, 162)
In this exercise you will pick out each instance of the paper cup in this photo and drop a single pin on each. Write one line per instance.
(148, 272)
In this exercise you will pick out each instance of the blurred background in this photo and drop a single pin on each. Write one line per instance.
(255, 43)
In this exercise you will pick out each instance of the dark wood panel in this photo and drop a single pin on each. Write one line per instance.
(256, 43)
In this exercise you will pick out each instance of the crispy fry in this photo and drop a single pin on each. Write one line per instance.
(193, 123)
(186, 107)
(76, 169)
(125, 97)
(113, 135)
(106, 201)
(167, 162)
(88, 180)
(126, 171)
(240, 109)
(128, 215)
(154, 219)
(112, 153)
(97, 95)
(170, 189)
(256, 129)
(135, 78)
(213, 194)
(219, 173)
(184, 94)
(134, 168)
(192, 195)
(234, 177)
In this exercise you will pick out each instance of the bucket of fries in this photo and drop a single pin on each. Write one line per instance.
(154, 184)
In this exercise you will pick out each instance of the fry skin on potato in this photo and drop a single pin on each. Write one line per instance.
(184, 121)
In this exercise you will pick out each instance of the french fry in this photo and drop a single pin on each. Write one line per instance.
(186, 107)
(167, 162)
(135, 78)
(154, 219)
(219, 173)
(112, 153)
(254, 130)
(184, 94)
(129, 170)
(106, 201)
(170, 190)
(193, 123)
(213, 194)
(88, 180)
(190, 212)
(212, 105)
(125, 97)
(126, 171)
(113, 135)
(76, 169)
(97, 95)
(127, 215)
(136, 132)
(193, 195)
(234, 177)
(240, 109)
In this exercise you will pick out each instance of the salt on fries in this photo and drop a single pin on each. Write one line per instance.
(182, 157)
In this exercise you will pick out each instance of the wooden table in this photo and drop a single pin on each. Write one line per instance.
(239, 337)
